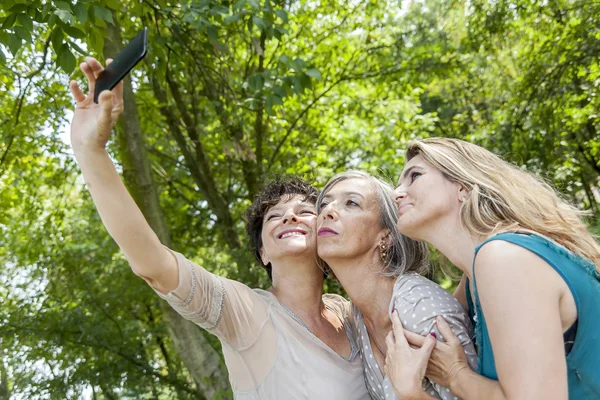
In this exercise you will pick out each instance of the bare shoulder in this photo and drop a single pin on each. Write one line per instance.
(499, 261)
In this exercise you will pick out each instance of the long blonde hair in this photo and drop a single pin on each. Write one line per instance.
(503, 197)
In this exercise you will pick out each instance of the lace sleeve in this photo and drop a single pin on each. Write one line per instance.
(228, 309)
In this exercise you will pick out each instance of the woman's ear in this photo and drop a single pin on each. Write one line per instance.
(263, 256)
(463, 193)
(386, 238)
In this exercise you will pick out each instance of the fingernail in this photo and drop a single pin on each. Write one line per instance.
(433, 334)
(393, 311)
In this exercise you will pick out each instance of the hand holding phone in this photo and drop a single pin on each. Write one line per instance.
(122, 63)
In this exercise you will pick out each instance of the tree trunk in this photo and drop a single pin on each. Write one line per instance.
(199, 357)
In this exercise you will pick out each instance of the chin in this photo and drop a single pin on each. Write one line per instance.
(407, 227)
(329, 253)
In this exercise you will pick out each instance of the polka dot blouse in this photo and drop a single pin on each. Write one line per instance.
(418, 302)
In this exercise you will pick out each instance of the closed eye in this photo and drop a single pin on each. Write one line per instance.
(311, 212)
(270, 217)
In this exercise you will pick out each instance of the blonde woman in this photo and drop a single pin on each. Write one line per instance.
(532, 276)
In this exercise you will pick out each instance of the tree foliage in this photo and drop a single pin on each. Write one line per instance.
(232, 92)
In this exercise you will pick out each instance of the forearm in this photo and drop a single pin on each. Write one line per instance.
(469, 385)
(122, 217)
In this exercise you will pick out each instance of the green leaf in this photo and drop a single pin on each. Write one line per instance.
(114, 4)
(313, 73)
(97, 42)
(103, 13)
(9, 21)
(2, 57)
(256, 82)
(80, 50)
(14, 44)
(25, 21)
(305, 82)
(298, 64)
(239, 5)
(81, 12)
(56, 37)
(74, 32)
(259, 22)
(66, 59)
(279, 91)
(23, 33)
(63, 5)
(254, 4)
(232, 18)
(285, 60)
(282, 14)
(212, 33)
(39, 16)
(18, 8)
(65, 16)
(272, 100)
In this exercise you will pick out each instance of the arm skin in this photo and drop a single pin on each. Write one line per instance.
(460, 292)
(90, 130)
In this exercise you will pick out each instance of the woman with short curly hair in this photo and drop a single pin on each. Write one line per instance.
(289, 341)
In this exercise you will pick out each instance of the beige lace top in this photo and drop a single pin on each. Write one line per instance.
(268, 353)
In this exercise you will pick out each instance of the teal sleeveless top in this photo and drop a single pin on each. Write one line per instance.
(583, 359)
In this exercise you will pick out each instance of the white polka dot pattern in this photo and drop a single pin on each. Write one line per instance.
(418, 302)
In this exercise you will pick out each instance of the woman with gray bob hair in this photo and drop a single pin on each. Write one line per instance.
(380, 269)
(403, 254)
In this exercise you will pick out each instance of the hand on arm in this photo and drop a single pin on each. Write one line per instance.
(519, 295)
(90, 130)
(404, 365)
(448, 365)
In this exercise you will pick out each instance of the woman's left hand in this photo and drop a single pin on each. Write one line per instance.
(447, 359)
(405, 366)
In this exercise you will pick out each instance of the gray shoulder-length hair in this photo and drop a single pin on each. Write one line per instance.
(405, 254)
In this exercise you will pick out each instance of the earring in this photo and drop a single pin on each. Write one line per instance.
(383, 248)
(462, 199)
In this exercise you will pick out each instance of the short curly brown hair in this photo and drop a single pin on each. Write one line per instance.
(285, 187)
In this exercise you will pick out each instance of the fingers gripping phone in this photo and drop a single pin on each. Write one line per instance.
(122, 64)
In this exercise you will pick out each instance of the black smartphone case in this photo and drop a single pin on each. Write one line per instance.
(122, 63)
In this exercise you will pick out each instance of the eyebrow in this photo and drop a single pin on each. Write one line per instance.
(405, 174)
(345, 194)
(278, 207)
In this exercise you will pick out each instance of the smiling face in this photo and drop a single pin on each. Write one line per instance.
(288, 230)
(349, 224)
(425, 199)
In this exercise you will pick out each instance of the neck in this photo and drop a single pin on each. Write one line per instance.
(456, 243)
(298, 284)
(370, 291)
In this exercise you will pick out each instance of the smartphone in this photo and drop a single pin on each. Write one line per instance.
(122, 64)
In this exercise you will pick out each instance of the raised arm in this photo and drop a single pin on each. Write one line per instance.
(90, 130)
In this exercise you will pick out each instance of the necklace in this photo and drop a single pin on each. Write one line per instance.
(295, 317)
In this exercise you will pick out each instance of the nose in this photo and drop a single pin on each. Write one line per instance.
(329, 211)
(399, 194)
(290, 216)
